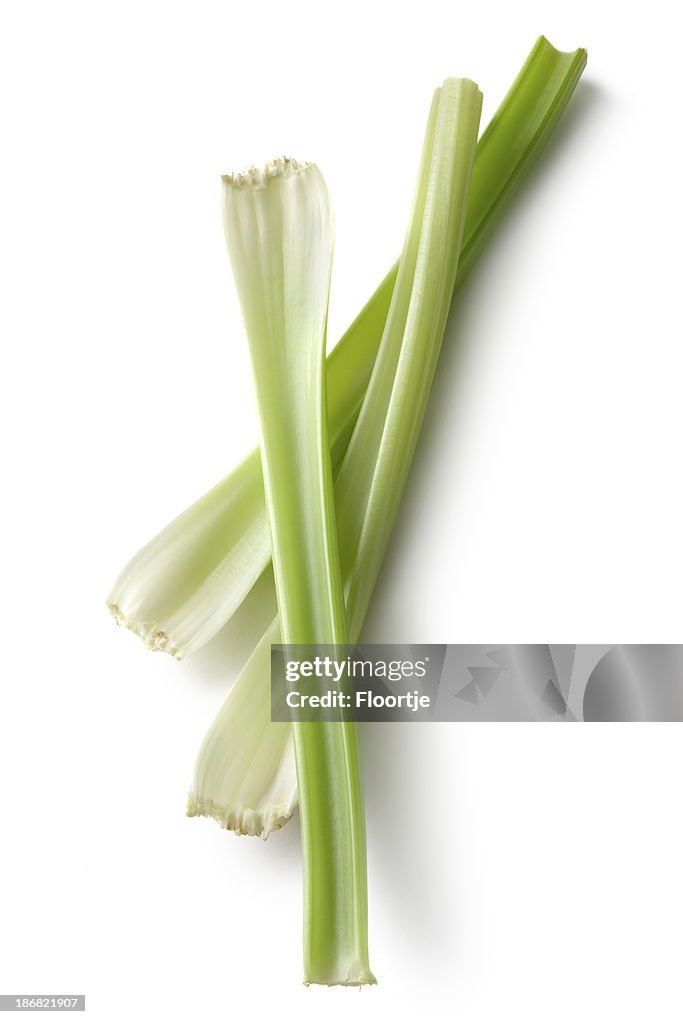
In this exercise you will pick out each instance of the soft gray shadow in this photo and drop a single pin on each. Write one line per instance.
(586, 108)
(451, 382)
(406, 801)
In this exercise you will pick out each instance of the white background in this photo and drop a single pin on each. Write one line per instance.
(516, 873)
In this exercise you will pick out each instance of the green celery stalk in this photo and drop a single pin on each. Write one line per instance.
(279, 232)
(372, 476)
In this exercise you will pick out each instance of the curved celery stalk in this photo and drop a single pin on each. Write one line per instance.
(278, 227)
(373, 474)
(187, 582)
(504, 154)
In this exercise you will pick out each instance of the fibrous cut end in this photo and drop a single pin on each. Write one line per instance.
(152, 636)
(258, 177)
(243, 821)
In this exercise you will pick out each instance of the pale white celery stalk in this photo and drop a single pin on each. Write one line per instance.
(245, 777)
(187, 582)
(279, 233)
(373, 473)
(245, 774)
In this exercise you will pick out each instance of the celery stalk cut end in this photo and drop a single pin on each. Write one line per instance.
(152, 636)
(243, 821)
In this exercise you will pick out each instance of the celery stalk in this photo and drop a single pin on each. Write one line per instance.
(278, 227)
(373, 474)
(179, 590)
(245, 774)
